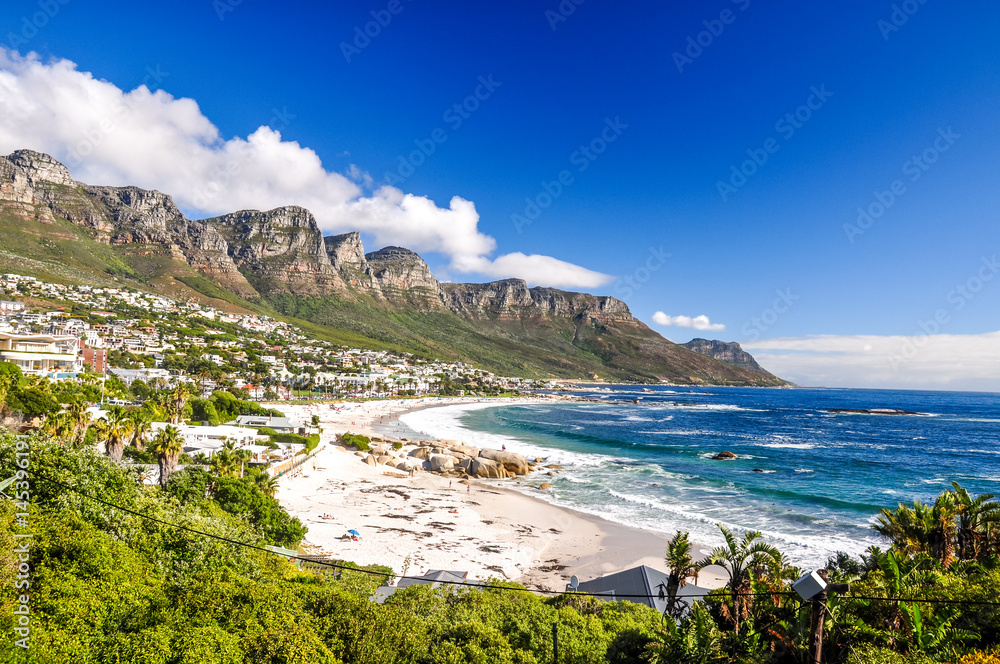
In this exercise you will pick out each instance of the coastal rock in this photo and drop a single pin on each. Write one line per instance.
(421, 453)
(513, 463)
(441, 462)
(544, 486)
(554, 466)
(873, 411)
(360, 454)
(464, 450)
(385, 460)
(724, 456)
(371, 461)
(486, 468)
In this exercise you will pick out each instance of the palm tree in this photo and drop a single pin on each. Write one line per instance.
(177, 401)
(205, 374)
(682, 567)
(225, 462)
(263, 480)
(976, 517)
(59, 426)
(140, 423)
(80, 417)
(740, 557)
(115, 423)
(141, 474)
(167, 446)
(923, 529)
(7, 382)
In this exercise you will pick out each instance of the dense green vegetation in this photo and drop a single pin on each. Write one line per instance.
(355, 440)
(112, 586)
(108, 586)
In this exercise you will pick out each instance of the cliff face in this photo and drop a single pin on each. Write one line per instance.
(280, 258)
(402, 277)
(279, 250)
(723, 351)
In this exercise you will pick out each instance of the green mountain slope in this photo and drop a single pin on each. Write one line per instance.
(278, 263)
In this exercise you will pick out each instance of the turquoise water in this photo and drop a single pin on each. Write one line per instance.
(810, 480)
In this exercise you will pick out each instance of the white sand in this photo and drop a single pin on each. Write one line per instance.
(439, 523)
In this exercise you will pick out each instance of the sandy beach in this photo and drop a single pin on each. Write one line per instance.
(436, 522)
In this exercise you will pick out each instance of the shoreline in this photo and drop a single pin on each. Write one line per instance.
(482, 527)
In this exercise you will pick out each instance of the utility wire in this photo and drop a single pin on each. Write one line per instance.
(614, 596)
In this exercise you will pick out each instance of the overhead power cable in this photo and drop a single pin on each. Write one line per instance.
(615, 596)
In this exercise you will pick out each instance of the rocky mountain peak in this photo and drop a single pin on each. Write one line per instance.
(402, 275)
(729, 352)
(346, 251)
(40, 167)
(287, 216)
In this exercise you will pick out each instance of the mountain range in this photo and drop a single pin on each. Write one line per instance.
(278, 262)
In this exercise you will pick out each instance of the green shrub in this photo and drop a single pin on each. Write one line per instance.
(357, 441)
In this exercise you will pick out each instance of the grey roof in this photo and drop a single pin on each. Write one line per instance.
(434, 578)
(266, 421)
(642, 585)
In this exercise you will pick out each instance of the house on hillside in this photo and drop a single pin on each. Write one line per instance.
(641, 585)
(279, 424)
(435, 578)
(51, 356)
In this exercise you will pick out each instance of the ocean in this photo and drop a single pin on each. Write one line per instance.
(810, 480)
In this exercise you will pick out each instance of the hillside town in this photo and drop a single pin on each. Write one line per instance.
(203, 368)
(139, 336)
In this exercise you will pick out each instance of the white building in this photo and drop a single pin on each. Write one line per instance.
(53, 356)
(8, 308)
(209, 440)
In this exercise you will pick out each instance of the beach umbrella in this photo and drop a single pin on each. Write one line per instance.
(354, 532)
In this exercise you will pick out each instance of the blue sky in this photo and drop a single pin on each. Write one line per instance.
(768, 258)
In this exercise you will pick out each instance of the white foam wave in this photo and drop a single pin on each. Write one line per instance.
(445, 423)
(970, 451)
(791, 446)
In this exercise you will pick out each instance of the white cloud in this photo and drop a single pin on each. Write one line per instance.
(156, 141)
(698, 322)
(536, 269)
(942, 361)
